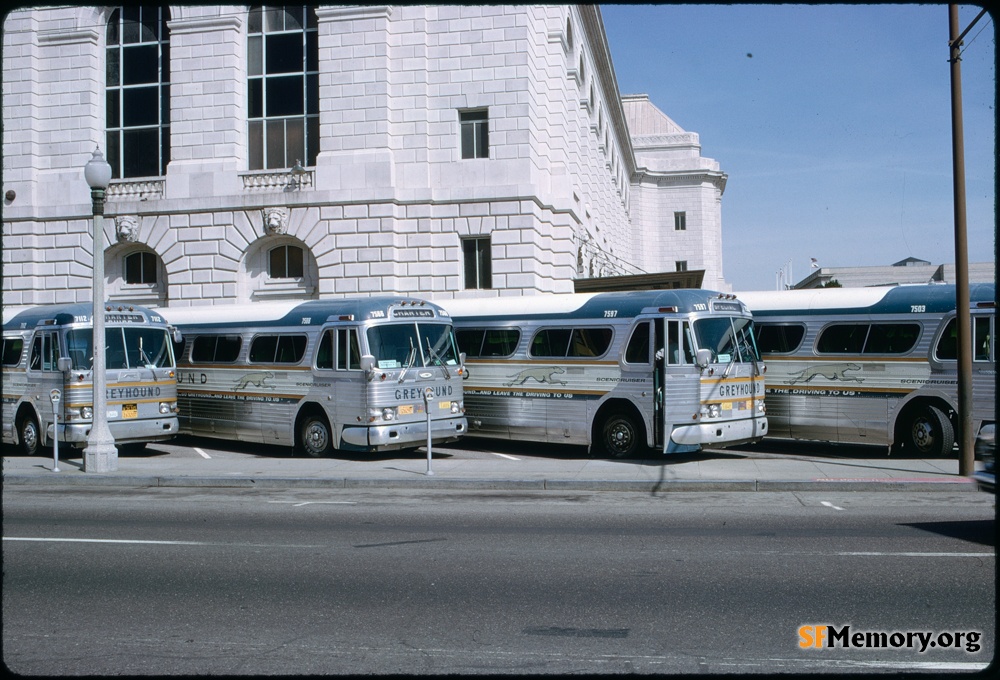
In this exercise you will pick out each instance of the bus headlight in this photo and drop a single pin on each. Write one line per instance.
(87, 413)
(456, 407)
(711, 411)
(388, 413)
(761, 407)
(166, 407)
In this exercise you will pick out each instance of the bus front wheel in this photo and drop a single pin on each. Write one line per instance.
(29, 435)
(930, 432)
(314, 436)
(620, 436)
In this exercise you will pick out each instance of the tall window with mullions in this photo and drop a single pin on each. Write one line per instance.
(138, 91)
(282, 86)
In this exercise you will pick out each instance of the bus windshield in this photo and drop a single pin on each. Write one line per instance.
(404, 345)
(124, 348)
(729, 338)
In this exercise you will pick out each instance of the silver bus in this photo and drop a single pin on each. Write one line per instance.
(873, 365)
(673, 370)
(50, 347)
(347, 374)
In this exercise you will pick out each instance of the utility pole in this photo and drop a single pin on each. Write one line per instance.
(966, 458)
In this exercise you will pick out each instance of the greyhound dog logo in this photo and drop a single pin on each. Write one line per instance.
(828, 371)
(256, 379)
(541, 374)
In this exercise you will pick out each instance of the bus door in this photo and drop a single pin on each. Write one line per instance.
(339, 376)
(678, 380)
(43, 374)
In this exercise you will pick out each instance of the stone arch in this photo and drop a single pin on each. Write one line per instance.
(259, 280)
(134, 272)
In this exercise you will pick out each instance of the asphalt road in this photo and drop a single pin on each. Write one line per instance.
(196, 581)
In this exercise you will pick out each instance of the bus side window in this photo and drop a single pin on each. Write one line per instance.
(590, 342)
(947, 346)
(637, 350)
(470, 340)
(981, 338)
(500, 342)
(687, 342)
(845, 338)
(550, 343)
(679, 343)
(35, 363)
(348, 350)
(779, 338)
(12, 349)
(324, 355)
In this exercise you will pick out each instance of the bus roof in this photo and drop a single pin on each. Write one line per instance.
(297, 312)
(73, 312)
(579, 305)
(935, 297)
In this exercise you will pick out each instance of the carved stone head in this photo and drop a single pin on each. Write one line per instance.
(275, 221)
(127, 228)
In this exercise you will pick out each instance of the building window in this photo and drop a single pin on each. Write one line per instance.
(475, 134)
(282, 86)
(285, 262)
(681, 265)
(140, 267)
(478, 263)
(138, 91)
(680, 221)
(569, 34)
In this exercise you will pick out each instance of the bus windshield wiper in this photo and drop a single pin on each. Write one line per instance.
(409, 361)
(436, 357)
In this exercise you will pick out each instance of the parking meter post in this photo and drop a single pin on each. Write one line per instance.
(428, 394)
(55, 395)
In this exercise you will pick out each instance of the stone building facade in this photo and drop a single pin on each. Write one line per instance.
(265, 153)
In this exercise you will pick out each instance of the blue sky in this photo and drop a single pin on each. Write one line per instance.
(833, 123)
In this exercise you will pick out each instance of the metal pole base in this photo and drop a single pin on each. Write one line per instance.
(100, 458)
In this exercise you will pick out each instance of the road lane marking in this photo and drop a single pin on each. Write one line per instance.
(102, 540)
(831, 505)
(504, 455)
(299, 504)
(916, 554)
(202, 453)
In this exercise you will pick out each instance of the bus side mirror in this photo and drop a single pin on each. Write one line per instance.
(64, 364)
(703, 357)
(176, 334)
(461, 358)
(368, 363)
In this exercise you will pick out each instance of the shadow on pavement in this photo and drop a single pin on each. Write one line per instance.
(981, 531)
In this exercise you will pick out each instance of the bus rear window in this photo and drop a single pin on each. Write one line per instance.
(779, 338)
(12, 350)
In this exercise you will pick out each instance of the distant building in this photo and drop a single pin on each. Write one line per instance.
(322, 151)
(910, 270)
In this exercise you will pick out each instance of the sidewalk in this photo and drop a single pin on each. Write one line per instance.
(476, 464)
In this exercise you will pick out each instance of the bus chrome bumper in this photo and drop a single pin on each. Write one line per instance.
(138, 431)
(722, 433)
(401, 435)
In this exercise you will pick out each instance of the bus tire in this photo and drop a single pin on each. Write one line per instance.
(315, 437)
(620, 436)
(929, 432)
(29, 435)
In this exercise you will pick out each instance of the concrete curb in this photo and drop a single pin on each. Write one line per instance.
(439, 482)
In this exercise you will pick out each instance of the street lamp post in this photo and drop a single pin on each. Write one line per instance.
(100, 454)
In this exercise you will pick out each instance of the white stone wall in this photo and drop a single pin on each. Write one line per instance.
(389, 199)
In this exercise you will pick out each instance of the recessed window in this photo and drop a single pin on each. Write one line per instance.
(681, 266)
(285, 262)
(478, 263)
(475, 133)
(680, 221)
(137, 94)
(569, 34)
(282, 86)
(140, 268)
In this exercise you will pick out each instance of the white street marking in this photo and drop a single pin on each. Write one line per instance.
(102, 540)
(299, 504)
(915, 554)
(831, 505)
(504, 455)
(202, 453)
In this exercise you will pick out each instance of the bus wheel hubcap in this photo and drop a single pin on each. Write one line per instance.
(316, 437)
(30, 436)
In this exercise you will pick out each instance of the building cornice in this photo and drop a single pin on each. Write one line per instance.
(334, 12)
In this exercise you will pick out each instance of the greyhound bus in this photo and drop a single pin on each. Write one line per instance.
(873, 365)
(675, 370)
(50, 347)
(347, 374)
